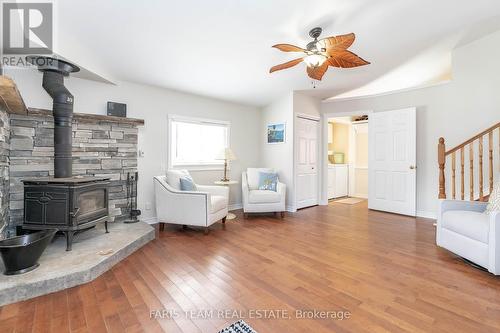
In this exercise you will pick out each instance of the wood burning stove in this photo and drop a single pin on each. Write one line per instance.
(67, 203)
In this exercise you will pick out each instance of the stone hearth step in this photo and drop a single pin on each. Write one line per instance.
(94, 252)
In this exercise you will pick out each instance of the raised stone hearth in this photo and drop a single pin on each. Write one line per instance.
(90, 258)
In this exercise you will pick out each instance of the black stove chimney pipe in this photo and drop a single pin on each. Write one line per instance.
(54, 71)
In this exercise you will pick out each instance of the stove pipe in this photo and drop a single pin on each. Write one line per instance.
(54, 71)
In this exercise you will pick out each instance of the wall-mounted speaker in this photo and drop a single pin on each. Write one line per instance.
(117, 109)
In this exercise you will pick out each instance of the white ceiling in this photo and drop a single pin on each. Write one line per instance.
(222, 48)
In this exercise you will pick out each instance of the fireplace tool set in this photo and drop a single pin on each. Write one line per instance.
(132, 197)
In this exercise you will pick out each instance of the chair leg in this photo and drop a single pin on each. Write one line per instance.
(162, 226)
(224, 219)
(282, 214)
(206, 230)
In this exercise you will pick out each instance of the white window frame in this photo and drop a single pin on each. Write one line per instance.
(195, 166)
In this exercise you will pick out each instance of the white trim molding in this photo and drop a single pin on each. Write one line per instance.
(427, 214)
(308, 116)
(150, 220)
(235, 206)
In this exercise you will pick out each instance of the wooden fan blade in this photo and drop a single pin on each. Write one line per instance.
(286, 65)
(345, 59)
(288, 48)
(317, 73)
(341, 42)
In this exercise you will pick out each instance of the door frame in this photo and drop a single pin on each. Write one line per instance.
(353, 162)
(320, 158)
(324, 148)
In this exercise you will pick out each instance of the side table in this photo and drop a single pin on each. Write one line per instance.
(230, 216)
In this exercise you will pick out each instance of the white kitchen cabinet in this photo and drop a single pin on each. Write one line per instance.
(338, 179)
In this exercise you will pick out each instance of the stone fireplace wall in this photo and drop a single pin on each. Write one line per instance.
(4, 169)
(100, 148)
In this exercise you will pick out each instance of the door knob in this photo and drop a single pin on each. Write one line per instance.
(412, 167)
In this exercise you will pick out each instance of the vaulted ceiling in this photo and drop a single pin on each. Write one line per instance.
(222, 48)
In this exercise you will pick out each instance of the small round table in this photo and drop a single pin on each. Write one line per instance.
(230, 216)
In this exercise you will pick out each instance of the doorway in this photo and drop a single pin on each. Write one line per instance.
(348, 159)
(389, 176)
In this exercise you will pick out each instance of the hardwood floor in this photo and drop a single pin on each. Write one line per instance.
(384, 269)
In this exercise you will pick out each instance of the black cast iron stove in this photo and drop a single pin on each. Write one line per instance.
(69, 204)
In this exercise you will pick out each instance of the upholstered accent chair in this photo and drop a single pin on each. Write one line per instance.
(261, 201)
(203, 207)
(465, 229)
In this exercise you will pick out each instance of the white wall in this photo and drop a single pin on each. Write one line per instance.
(304, 104)
(279, 156)
(153, 104)
(455, 111)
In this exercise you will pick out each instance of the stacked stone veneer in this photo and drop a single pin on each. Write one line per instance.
(4, 170)
(100, 148)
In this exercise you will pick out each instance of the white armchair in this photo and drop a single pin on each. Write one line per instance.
(464, 229)
(261, 201)
(203, 207)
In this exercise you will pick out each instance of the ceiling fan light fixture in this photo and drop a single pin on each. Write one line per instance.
(319, 55)
(314, 60)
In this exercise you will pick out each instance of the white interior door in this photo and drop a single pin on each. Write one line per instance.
(392, 161)
(307, 162)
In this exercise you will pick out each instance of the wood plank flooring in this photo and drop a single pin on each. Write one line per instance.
(384, 269)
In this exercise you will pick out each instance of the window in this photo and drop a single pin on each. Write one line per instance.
(197, 142)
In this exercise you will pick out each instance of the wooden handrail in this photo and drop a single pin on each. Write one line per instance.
(474, 138)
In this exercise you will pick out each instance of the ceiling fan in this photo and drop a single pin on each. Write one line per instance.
(319, 54)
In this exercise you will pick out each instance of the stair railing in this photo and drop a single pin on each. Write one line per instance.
(444, 155)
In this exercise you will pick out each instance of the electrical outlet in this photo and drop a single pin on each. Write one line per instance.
(148, 205)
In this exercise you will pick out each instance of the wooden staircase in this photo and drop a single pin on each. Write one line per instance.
(467, 173)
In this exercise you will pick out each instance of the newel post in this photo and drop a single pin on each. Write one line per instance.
(441, 162)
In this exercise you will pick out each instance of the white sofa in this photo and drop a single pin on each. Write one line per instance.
(464, 229)
(203, 207)
(261, 201)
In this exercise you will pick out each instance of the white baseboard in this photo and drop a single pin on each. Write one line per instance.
(235, 207)
(291, 209)
(150, 220)
(426, 214)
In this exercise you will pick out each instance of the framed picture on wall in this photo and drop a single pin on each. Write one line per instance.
(276, 133)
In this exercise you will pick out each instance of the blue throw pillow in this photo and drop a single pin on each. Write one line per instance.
(268, 181)
(187, 183)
